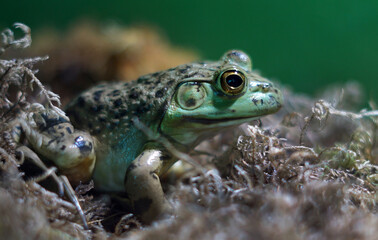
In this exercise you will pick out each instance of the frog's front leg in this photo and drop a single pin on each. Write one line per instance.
(143, 185)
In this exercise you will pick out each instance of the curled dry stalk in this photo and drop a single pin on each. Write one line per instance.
(320, 111)
(20, 73)
(323, 109)
(8, 40)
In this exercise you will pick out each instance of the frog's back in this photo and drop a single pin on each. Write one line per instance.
(106, 110)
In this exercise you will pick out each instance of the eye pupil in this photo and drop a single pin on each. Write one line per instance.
(234, 81)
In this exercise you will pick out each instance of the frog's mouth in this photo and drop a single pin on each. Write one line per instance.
(210, 121)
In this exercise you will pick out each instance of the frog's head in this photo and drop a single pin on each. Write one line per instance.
(227, 94)
(73, 153)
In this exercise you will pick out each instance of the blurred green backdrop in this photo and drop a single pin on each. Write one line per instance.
(303, 44)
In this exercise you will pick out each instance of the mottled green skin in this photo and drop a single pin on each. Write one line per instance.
(106, 111)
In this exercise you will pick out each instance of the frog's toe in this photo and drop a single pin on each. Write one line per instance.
(148, 201)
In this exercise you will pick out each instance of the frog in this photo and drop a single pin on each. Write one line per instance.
(185, 105)
(53, 136)
(48, 131)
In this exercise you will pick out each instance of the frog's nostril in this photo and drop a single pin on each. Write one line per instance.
(260, 87)
(265, 87)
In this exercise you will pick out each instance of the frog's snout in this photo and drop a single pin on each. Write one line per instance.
(265, 96)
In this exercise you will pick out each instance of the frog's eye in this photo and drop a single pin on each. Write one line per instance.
(232, 82)
(190, 95)
(83, 145)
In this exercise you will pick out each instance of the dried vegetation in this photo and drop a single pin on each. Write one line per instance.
(308, 172)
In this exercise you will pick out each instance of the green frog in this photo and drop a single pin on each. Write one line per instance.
(185, 104)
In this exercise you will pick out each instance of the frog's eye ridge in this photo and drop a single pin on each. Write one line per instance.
(232, 82)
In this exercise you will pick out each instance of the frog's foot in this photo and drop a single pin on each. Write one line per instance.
(26, 152)
(179, 170)
(127, 223)
(143, 186)
(72, 197)
(63, 184)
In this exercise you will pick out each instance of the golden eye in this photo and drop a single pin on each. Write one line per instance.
(232, 82)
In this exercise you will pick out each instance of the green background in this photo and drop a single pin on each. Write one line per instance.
(303, 44)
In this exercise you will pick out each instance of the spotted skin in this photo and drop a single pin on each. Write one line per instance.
(106, 107)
